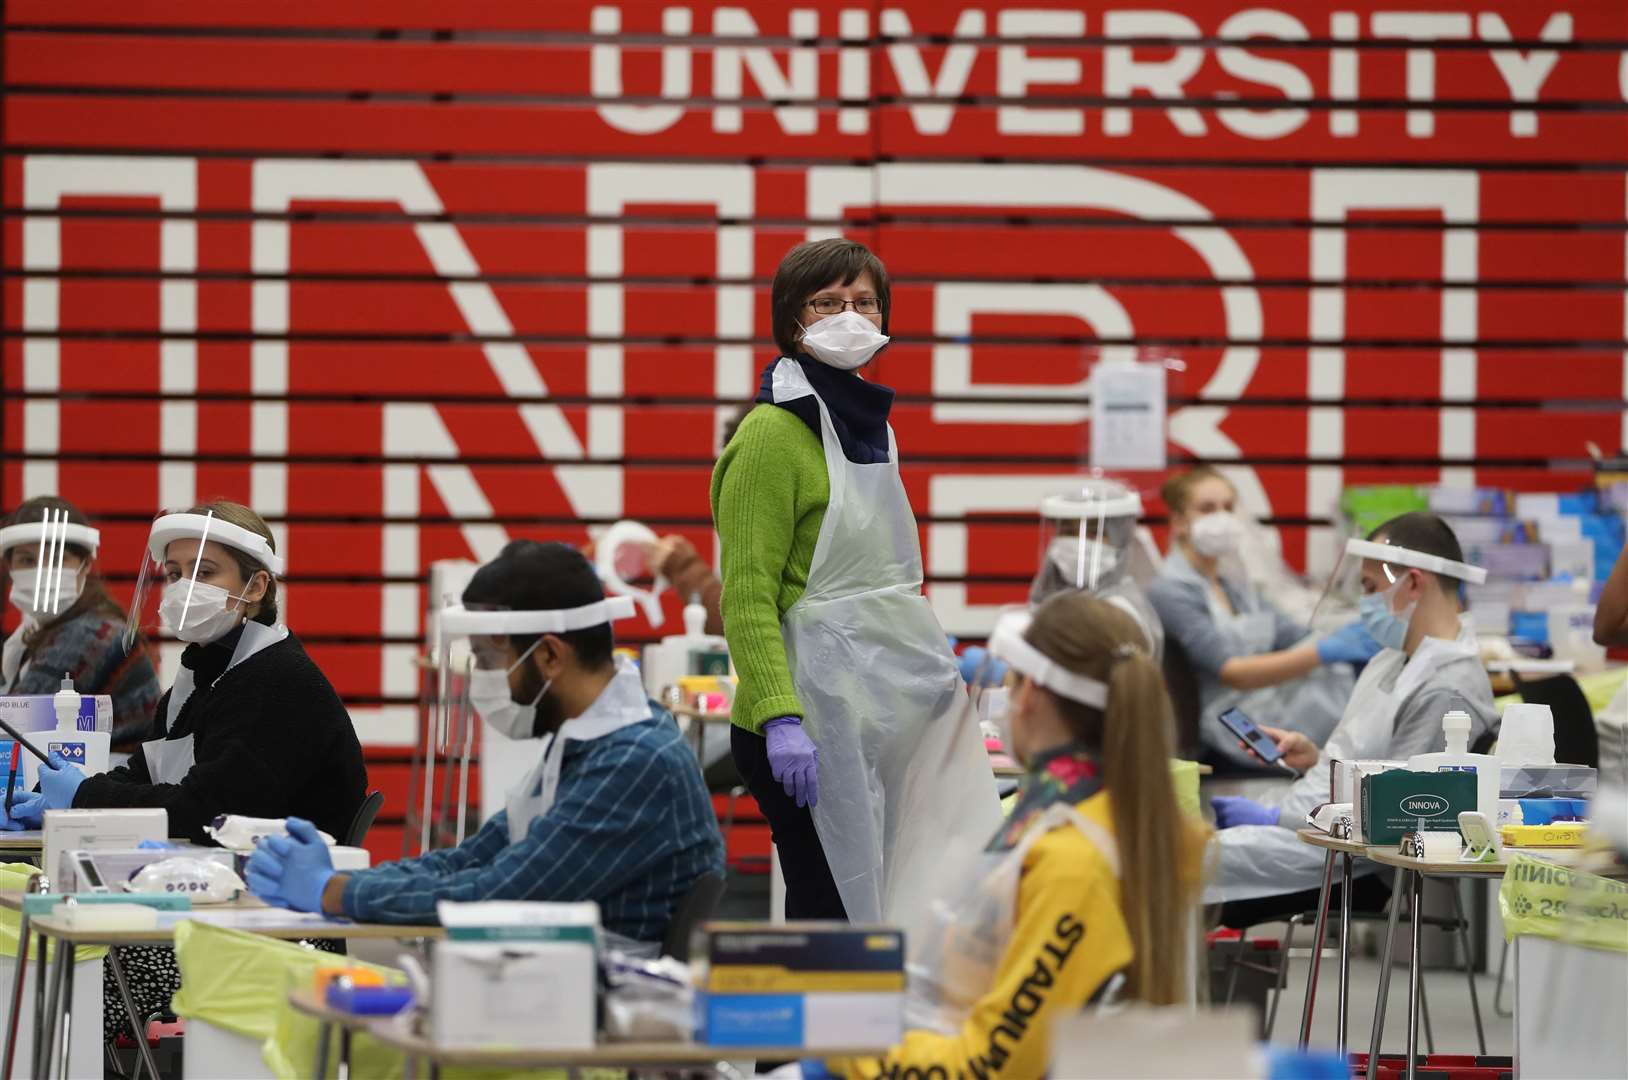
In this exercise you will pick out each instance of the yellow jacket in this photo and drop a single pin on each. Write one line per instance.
(1068, 938)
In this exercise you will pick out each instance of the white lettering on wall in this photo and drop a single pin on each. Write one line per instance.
(605, 67)
(799, 81)
(1421, 63)
(1524, 73)
(1241, 63)
(1017, 71)
(1123, 74)
(911, 70)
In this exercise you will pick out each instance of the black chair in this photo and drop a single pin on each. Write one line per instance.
(1182, 683)
(697, 907)
(363, 821)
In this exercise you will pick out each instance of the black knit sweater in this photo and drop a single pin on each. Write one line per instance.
(271, 739)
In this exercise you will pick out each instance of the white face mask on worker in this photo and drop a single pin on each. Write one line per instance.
(846, 340)
(210, 615)
(27, 598)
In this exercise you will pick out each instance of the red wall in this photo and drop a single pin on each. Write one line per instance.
(413, 278)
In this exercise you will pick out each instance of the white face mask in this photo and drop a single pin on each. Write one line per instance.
(1216, 534)
(1078, 567)
(846, 340)
(25, 585)
(489, 694)
(210, 617)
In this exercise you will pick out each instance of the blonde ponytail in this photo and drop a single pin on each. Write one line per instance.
(1159, 846)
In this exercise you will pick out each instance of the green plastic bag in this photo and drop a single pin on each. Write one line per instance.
(1369, 507)
(1538, 897)
(1184, 778)
(240, 982)
(14, 877)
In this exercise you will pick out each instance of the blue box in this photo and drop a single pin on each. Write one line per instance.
(749, 1019)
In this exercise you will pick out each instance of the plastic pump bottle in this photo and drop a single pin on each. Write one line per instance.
(66, 703)
(1457, 758)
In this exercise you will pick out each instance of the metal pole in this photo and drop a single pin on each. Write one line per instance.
(1384, 981)
(14, 1018)
(138, 1025)
(324, 1033)
(1417, 894)
(1316, 951)
(1344, 1004)
(43, 1047)
(66, 1008)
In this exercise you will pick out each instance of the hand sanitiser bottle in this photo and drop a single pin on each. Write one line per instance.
(1457, 758)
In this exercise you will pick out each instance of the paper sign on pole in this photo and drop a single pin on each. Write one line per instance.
(1128, 416)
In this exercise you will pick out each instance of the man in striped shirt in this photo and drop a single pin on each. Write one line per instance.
(615, 810)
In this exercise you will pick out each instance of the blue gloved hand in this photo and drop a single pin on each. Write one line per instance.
(291, 871)
(1233, 810)
(814, 1069)
(27, 812)
(793, 759)
(58, 782)
(1351, 644)
(977, 664)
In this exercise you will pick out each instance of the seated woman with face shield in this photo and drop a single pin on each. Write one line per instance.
(1406, 580)
(1245, 653)
(70, 625)
(251, 725)
(1094, 874)
(614, 810)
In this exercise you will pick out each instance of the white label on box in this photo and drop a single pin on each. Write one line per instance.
(834, 1021)
(527, 995)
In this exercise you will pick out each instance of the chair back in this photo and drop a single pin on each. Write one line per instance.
(698, 905)
(363, 821)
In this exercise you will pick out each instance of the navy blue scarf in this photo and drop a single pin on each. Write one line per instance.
(859, 409)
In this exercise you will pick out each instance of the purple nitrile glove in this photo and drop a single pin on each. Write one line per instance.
(1350, 644)
(1233, 810)
(793, 759)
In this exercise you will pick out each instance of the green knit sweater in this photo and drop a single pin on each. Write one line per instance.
(769, 494)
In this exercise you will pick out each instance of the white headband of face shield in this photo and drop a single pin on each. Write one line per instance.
(1417, 560)
(1009, 644)
(459, 621)
(32, 532)
(1091, 506)
(173, 527)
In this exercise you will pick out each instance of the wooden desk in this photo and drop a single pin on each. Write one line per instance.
(27, 842)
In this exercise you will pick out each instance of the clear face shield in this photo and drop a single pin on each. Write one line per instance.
(475, 659)
(43, 583)
(622, 559)
(1086, 538)
(1380, 585)
(176, 584)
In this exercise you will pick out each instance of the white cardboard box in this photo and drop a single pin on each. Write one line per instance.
(67, 830)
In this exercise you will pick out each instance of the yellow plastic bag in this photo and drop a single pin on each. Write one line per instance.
(14, 877)
(1538, 897)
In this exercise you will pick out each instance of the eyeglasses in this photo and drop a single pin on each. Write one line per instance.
(830, 305)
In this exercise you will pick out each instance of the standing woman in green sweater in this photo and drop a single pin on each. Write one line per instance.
(848, 718)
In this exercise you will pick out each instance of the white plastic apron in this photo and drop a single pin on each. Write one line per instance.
(1267, 860)
(904, 786)
(168, 760)
(955, 956)
(621, 703)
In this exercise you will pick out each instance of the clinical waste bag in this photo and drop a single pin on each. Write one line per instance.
(1538, 897)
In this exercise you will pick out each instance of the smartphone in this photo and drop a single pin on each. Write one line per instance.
(1255, 740)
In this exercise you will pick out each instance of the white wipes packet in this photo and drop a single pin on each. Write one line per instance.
(241, 833)
(204, 881)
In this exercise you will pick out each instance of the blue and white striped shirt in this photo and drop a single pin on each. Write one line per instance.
(631, 828)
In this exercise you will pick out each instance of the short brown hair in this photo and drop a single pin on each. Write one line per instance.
(247, 565)
(1178, 490)
(810, 267)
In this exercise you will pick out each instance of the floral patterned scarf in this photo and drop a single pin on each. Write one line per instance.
(1068, 774)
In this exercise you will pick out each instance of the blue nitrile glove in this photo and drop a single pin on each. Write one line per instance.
(976, 663)
(793, 759)
(814, 1069)
(27, 812)
(58, 782)
(1351, 644)
(291, 871)
(1233, 810)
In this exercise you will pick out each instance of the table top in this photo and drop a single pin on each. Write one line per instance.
(1432, 868)
(1319, 839)
(27, 840)
(245, 913)
(392, 1033)
(684, 712)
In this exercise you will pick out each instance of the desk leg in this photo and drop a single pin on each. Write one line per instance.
(324, 1033)
(14, 1019)
(1385, 978)
(344, 1053)
(48, 1015)
(138, 1023)
(1343, 1005)
(1316, 952)
(42, 979)
(1413, 975)
(66, 951)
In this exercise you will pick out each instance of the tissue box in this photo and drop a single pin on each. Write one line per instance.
(520, 975)
(1400, 801)
(817, 986)
(819, 1022)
